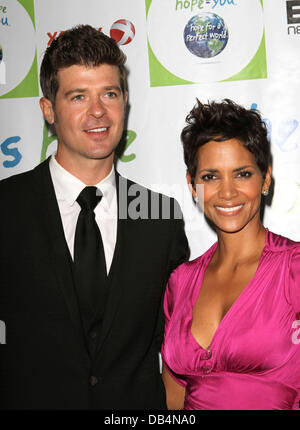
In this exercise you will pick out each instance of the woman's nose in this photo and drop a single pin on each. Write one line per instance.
(227, 189)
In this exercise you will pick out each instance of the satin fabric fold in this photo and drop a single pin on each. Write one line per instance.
(253, 359)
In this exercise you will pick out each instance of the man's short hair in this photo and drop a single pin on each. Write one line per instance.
(80, 45)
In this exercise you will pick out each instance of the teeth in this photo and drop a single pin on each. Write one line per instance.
(234, 208)
(97, 130)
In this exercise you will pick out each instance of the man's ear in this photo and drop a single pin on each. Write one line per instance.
(125, 98)
(47, 109)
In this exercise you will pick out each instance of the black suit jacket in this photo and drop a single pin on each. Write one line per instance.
(45, 363)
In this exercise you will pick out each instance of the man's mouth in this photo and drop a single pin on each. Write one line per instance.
(97, 130)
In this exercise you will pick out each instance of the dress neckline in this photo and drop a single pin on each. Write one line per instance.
(210, 252)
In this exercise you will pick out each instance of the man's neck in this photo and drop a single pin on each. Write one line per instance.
(89, 171)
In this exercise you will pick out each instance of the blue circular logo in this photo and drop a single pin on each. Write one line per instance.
(206, 35)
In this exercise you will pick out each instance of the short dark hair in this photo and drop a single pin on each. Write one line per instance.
(224, 121)
(80, 45)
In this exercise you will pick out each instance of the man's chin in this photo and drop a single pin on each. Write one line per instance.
(100, 155)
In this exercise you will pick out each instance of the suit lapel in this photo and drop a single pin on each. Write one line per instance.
(59, 256)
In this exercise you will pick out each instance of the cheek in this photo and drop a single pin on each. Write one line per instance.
(208, 192)
(119, 117)
(67, 121)
(252, 193)
(117, 111)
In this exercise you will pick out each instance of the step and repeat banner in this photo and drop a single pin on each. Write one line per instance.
(177, 50)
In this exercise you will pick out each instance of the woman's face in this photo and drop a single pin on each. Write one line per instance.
(233, 184)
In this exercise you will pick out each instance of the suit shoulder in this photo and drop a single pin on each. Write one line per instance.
(15, 181)
(22, 181)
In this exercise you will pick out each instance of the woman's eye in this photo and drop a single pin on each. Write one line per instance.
(208, 177)
(245, 174)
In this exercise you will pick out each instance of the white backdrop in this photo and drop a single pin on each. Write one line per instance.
(247, 50)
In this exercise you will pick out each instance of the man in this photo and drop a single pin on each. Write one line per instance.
(83, 265)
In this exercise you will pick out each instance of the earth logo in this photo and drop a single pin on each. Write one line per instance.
(206, 35)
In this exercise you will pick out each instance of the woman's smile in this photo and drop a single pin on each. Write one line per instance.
(233, 184)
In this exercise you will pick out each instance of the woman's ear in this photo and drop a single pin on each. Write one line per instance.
(267, 180)
(191, 188)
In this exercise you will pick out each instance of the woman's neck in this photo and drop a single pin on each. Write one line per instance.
(240, 247)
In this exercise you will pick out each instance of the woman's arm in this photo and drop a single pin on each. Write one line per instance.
(175, 392)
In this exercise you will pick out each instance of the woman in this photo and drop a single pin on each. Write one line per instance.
(231, 314)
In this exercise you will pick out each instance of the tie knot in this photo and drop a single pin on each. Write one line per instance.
(89, 198)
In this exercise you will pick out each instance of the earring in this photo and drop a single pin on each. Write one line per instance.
(265, 192)
(196, 199)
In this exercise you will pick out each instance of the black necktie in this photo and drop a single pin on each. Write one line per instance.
(89, 258)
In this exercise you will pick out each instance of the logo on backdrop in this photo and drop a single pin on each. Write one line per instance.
(49, 145)
(198, 4)
(52, 36)
(198, 41)
(206, 35)
(293, 17)
(3, 22)
(2, 68)
(284, 133)
(21, 81)
(122, 31)
(3, 18)
(13, 154)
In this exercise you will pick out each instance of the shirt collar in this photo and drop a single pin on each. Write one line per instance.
(68, 187)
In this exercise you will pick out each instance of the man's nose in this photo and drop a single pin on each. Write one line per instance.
(96, 107)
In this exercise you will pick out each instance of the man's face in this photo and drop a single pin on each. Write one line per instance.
(88, 114)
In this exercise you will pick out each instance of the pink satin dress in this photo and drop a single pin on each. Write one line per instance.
(253, 360)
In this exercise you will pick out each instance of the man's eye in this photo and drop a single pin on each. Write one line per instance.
(78, 97)
(111, 94)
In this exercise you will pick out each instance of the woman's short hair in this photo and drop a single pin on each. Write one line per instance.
(220, 122)
(81, 45)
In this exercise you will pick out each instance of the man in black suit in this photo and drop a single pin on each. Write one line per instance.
(85, 254)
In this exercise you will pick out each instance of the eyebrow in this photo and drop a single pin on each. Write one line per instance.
(238, 169)
(112, 87)
(242, 168)
(75, 90)
(83, 90)
(208, 170)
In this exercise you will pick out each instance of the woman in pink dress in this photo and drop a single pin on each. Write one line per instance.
(232, 333)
